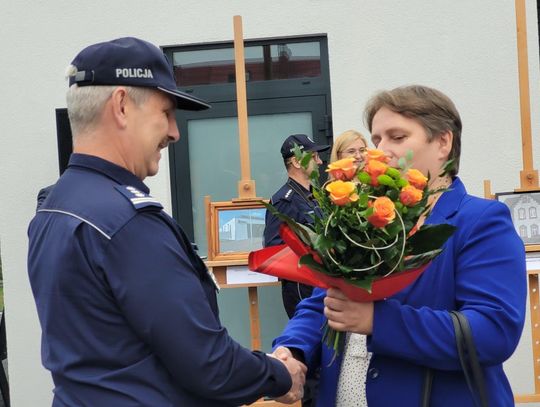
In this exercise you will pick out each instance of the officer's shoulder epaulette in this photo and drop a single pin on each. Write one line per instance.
(283, 195)
(138, 199)
(288, 195)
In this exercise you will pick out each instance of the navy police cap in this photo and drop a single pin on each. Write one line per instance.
(130, 62)
(303, 141)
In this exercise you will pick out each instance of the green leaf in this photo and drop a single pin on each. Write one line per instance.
(322, 243)
(409, 156)
(447, 167)
(393, 194)
(429, 238)
(310, 233)
(298, 152)
(345, 269)
(306, 158)
(415, 211)
(366, 283)
(418, 260)
(340, 246)
(393, 228)
(364, 177)
(296, 227)
(363, 199)
(402, 182)
(386, 180)
(314, 176)
(309, 261)
(318, 195)
(394, 173)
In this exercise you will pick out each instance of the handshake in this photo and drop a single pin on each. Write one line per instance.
(296, 369)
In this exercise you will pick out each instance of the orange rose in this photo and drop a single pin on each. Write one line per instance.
(343, 169)
(375, 168)
(410, 196)
(416, 179)
(377, 155)
(384, 212)
(341, 193)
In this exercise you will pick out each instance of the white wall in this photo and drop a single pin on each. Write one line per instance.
(465, 48)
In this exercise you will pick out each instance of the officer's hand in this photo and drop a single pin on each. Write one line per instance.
(297, 370)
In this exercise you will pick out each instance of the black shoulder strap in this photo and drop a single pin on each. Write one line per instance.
(426, 392)
(469, 358)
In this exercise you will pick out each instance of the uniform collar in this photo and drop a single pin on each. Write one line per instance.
(297, 184)
(107, 168)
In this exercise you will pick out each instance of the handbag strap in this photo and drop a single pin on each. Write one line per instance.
(426, 391)
(469, 358)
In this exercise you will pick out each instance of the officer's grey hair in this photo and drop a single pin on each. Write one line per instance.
(86, 103)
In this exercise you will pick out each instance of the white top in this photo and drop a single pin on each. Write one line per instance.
(351, 391)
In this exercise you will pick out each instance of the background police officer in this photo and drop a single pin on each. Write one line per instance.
(295, 200)
(127, 309)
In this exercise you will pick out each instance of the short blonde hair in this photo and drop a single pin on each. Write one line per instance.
(343, 141)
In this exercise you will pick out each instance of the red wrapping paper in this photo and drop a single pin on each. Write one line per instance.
(282, 261)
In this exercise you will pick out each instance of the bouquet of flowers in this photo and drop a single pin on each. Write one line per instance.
(367, 242)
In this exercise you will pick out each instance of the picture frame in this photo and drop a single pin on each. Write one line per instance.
(525, 211)
(234, 228)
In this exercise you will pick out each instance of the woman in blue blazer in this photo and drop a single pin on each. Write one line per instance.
(481, 272)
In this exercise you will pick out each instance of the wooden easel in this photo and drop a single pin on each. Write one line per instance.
(528, 183)
(246, 193)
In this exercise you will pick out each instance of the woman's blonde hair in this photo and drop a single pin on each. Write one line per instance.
(343, 140)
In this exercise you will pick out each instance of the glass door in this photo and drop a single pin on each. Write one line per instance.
(207, 162)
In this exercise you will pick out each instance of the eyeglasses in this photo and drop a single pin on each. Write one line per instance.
(354, 151)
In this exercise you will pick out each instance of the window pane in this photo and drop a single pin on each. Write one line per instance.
(296, 60)
(203, 67)
(263, 63)
(215, 162)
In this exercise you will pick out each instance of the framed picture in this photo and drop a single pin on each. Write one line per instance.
(525, 210)
(234, 229)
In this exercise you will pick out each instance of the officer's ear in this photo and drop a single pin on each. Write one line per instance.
(119, 100)
(295, 163)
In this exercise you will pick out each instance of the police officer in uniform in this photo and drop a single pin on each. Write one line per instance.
(128, 311)
(295, 200)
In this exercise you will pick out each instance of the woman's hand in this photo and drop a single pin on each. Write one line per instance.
(347, 315)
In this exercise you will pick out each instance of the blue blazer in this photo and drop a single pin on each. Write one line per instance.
(480, 272)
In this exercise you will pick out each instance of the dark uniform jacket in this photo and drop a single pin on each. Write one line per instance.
(295, 201)
(128, 310)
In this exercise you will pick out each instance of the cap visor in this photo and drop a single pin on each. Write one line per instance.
(185, 101)
(319, 148)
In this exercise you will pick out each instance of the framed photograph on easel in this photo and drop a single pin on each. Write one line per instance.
(235, 229)
(525, 211)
